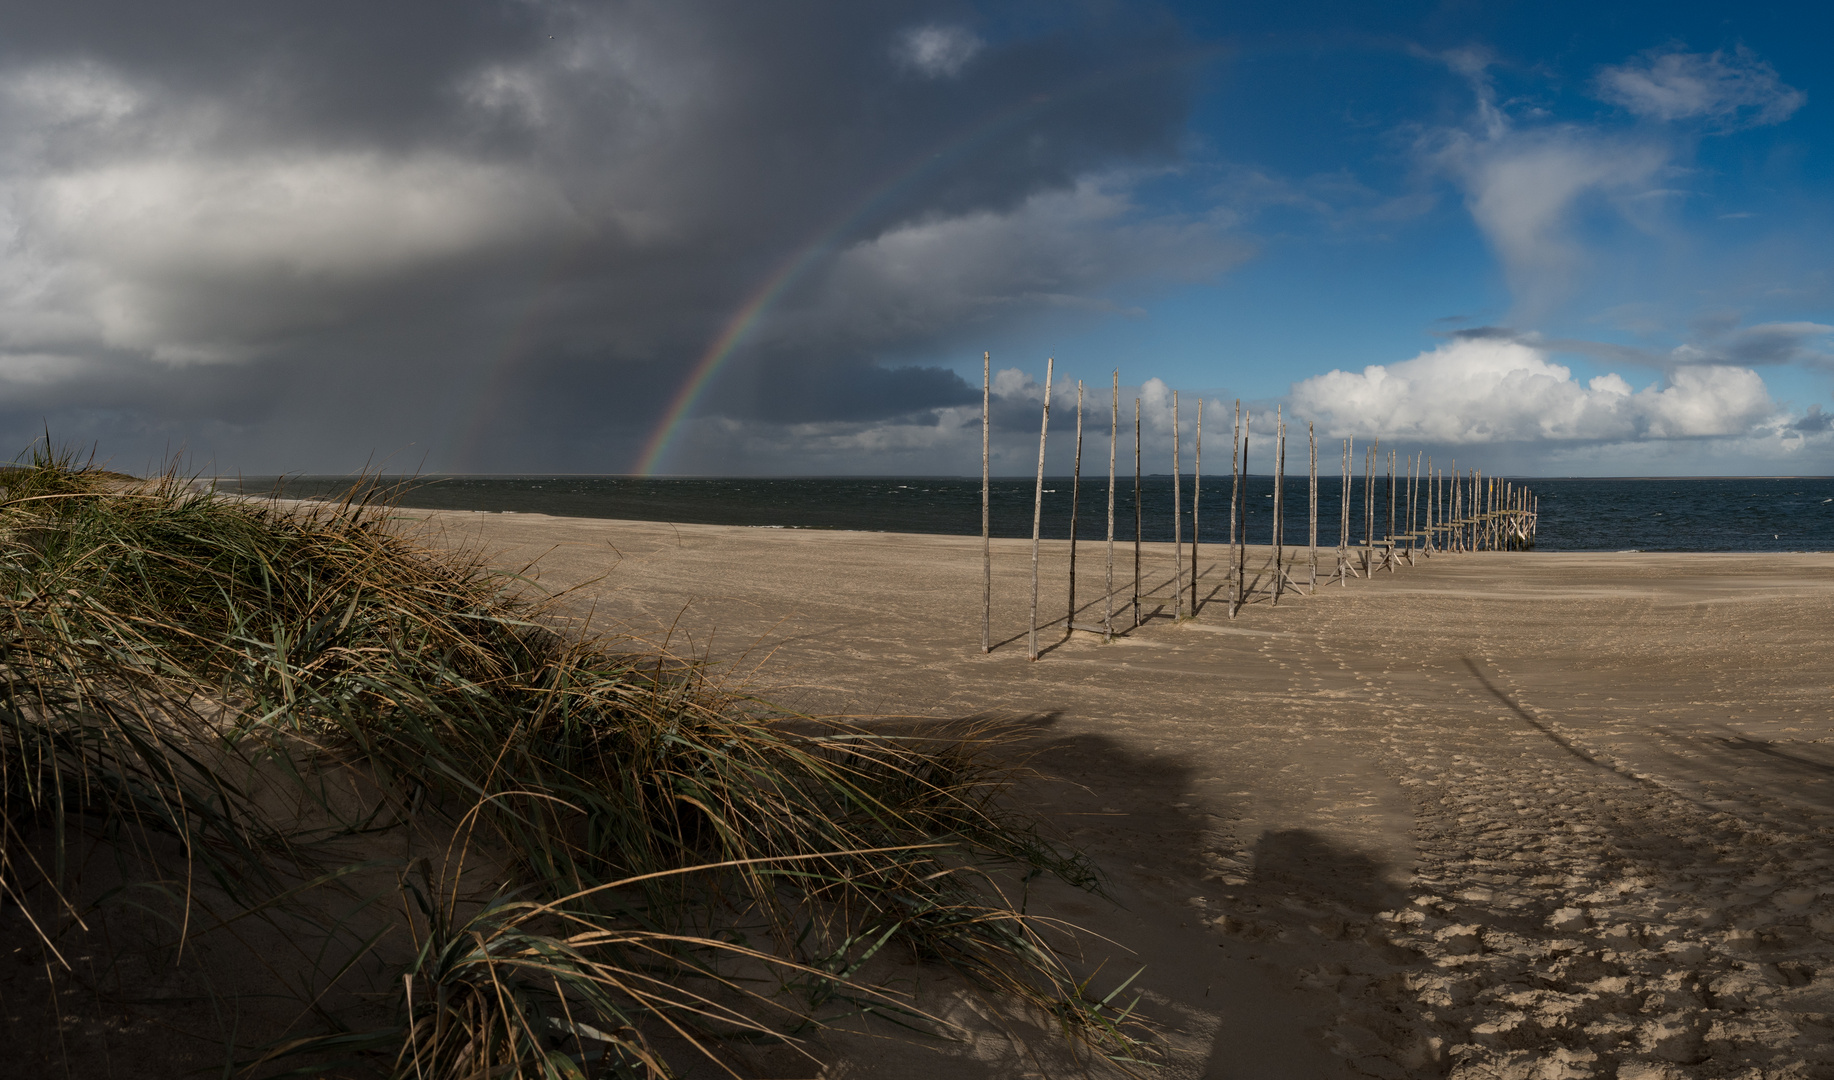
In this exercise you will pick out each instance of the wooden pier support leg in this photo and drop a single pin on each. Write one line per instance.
(1044, 428)
(1114, 436)
(986, 506)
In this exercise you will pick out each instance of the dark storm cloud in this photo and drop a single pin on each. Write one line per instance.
(1814, 421)
(1718, 341)
(499, 234)
(1482, 333)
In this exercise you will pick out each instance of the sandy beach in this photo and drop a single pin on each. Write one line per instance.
(1511, 815)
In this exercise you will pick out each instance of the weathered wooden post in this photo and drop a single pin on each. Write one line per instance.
(1425, 506)
(1343, 525)
(1467, 525)
(1235, 477)
(1197, 487)
(986, 502)
(1389, 539)
(1427, 538)
(1434, 511)
(1369, 502)
(1484, 489)
(1177, 519)
(1466, 489)
(1413, 495)
(1445, 508)
(1235, 500)
(1475, 510)
(1076, 496)
(1461, 507)
(1136, 513)
(1452, 508)
(1044, 428)
(1484, 497)
(1279, 484)
(1114, 436)
(1311, 438)
(1241, 549)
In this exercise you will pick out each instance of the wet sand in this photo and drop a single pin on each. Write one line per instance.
(1506, 814)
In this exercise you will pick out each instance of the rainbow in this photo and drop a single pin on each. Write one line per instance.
(792, 268)
(747, 316)
(717, 353)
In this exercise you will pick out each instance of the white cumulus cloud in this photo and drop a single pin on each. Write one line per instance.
(1488, 390)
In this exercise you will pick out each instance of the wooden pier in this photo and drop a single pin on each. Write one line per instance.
(1422, 513)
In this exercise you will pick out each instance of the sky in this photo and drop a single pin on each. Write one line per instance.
(726, 237)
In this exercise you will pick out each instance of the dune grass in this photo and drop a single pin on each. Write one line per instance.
(557, 854)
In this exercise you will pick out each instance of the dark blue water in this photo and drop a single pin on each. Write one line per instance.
(1716, 514)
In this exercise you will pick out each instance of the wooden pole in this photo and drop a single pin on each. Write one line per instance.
(1458, 510)
(1136, 512)
(1279, 501)
(1369, 459)
(1426, 505)
(1413, 494)
(1076, 498)
(1114, 436)
(1452, 537)
(1311, 438)
(986, 504)
(1494, 526)
(1044, 428)
(1235, 510)
(1197, 487)
(1474, 510)
(1235, 474)
(1463, 484)
(1343, 525)
(1389, 539)
(1470, 522)
(1241, 549)
(1235, 500)
(1177, 520)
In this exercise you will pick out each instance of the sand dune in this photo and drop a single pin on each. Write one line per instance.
(1511, 815)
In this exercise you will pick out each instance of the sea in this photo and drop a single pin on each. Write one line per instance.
(1577, 514)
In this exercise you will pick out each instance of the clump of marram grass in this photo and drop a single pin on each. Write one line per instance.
(572, 832)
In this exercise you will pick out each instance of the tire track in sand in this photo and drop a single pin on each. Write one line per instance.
(1568, 916)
